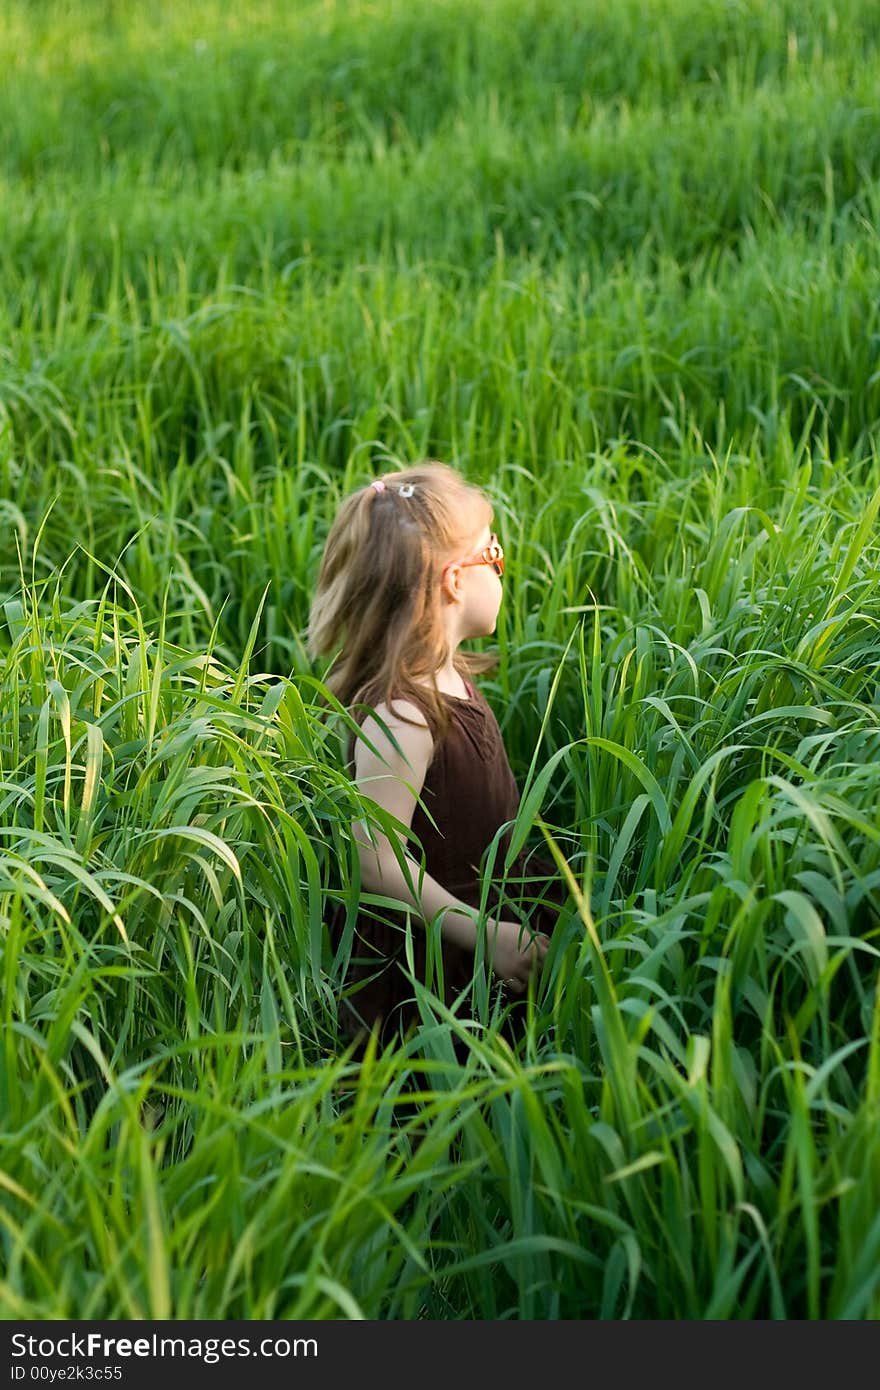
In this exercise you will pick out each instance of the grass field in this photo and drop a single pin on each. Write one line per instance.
(619, 263)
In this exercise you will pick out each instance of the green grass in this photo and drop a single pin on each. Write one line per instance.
(619, 264)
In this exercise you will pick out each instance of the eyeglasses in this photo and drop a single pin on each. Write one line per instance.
(492, 554)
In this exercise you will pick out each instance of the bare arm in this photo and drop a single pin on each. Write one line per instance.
(394, 780)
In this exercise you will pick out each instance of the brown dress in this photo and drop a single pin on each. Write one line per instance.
(470, 791)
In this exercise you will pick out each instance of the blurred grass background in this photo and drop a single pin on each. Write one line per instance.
(618, 263)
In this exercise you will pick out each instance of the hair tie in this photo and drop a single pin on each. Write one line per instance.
(378, 485)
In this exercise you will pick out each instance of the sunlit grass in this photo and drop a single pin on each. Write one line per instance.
(623, 273)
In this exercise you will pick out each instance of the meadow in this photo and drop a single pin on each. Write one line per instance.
(619, 263)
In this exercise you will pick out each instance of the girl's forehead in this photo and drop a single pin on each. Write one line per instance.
(477, 519)
(478, 533)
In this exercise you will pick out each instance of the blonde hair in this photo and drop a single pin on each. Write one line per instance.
(378, 597)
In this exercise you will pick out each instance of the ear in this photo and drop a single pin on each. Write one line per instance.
(450, 586)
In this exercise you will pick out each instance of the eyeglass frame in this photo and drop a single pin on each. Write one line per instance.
(483, 557)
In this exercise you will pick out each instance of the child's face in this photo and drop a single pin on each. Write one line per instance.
(479, 589)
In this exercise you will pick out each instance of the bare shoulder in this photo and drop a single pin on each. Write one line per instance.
(402, 712)
(401, 741)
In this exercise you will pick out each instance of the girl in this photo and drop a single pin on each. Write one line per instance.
(411, 570)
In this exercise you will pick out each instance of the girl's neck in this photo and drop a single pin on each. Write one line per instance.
(450, 681)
